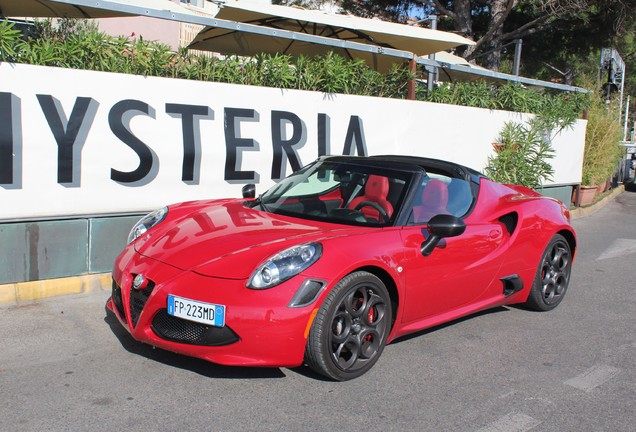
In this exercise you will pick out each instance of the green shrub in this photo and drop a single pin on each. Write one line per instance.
(522, 154)
(9, 38)
(602, 143)
(559, 108)
(78, 44)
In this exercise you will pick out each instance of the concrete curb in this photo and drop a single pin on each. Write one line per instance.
(586, 211)
(29, 292)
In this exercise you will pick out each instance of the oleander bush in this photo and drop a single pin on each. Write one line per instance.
(522, 154)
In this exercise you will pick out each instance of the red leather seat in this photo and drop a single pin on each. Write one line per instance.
(376, 191)
(434, 201)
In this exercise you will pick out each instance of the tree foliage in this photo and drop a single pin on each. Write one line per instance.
(561, 38)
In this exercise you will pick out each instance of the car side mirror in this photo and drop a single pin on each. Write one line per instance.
(440, 227)
(249, 190)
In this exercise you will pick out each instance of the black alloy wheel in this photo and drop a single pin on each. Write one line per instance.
(553, 276)
(351, 328)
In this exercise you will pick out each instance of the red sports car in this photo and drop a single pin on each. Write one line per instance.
(336, 261)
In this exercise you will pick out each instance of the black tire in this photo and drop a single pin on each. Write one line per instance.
(553, 276)
(350, 329)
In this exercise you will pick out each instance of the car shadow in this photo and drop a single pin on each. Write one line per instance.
(426, 331)
(212, 370)
(198, 366)
(307, 372)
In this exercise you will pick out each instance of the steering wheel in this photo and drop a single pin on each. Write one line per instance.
(383, 213)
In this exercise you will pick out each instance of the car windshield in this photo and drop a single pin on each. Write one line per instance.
(340, 192)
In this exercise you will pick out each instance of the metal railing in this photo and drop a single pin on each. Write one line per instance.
(304, 37)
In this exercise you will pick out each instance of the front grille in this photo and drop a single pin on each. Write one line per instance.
(138, 299)
(117, 300)
(188, 332)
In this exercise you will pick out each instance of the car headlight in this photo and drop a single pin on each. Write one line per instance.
(147, 222)
(285, 265)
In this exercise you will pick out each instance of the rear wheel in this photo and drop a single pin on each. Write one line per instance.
(553, 276)
(351, 328)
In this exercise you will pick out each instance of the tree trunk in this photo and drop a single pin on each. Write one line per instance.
(498, 8)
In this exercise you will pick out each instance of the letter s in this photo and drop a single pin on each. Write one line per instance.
(119, 121)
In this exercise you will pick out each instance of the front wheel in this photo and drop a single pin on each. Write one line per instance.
(351, 328)
(553, 276)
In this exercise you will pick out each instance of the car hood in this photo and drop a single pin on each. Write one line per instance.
(226, 239)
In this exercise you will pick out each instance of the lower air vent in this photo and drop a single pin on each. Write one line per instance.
(511, 284)
(117, 300)
(188, 332)
(138, 299)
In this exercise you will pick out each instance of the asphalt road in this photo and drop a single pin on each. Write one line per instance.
(66, 365)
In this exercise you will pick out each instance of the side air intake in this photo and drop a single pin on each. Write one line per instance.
(511, 284)
(510, 221)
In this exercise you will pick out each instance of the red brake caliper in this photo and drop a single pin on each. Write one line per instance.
(371, 315)
(370, 320)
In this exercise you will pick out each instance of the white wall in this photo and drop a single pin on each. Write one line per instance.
(82, 143)
(163, 31)
(172, 33)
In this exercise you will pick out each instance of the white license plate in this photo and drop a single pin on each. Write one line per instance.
(192, 310)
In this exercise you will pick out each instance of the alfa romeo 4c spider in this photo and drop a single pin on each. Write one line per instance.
(337, 260)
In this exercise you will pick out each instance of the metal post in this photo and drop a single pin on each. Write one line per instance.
(628, 161)
(432, 73)
(620, 107)
(517, 62)
(412, 82)
(577, 195)
(626, 119)
(610, 78)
